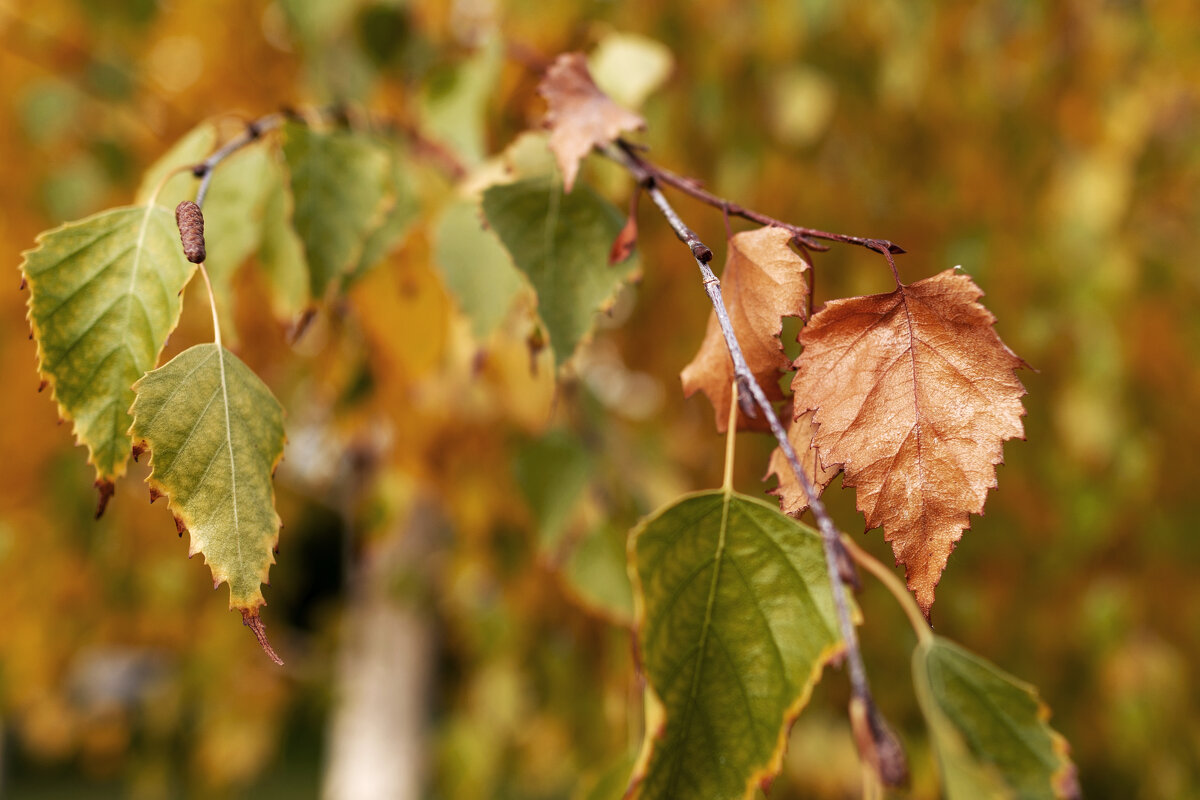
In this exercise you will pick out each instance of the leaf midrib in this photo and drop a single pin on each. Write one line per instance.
(237, 532)
(718, 557)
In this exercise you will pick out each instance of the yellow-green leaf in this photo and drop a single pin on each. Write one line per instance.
(104, 296)
(475, 267)
(988, 728)
(215, 433)
(735, 622)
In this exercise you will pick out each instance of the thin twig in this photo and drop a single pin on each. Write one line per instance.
(252, 133)
(830, 538)
(806, 235)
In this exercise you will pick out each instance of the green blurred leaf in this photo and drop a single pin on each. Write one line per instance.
(476, 267)
(561, 242)
(402, 210)
(280, 251)
(608, 783)
(104, 296)
(454, 102)
(553, 472)
(215, 434)
(339, 186)
(596, 573)
(988, 728)
(735, 622)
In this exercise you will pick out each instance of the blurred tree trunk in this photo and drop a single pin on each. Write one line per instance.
(378, 732)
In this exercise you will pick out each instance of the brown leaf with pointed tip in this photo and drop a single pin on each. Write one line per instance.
(105, 489)
(764, 281)
(623, 246)
(913, 394)
(792, 499)
(579, 115)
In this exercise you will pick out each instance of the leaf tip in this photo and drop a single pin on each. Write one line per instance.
(105, 488)
(878, 745)
(624, 243)
(180, 528)
(136, 451)
(253, 621)
(301, 325)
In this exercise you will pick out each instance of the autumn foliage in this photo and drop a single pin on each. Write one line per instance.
(399, 316)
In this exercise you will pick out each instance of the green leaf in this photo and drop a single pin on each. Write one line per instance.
(104, 296)
(281, 253)
(339, 186)
(215, 434)
(402, 210)
(553, 472)
(454, 102)
(475, 268)
(561, 242)
(988, 728)
(735, 622)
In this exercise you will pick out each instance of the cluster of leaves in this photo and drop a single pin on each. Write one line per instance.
(909, 393)
(105, 295)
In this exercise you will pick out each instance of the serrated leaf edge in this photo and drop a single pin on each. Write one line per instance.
(103, 482)
(250, 610)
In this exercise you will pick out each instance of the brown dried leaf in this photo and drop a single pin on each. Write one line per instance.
(764, 281)
(580, 116)
(792, 499)
(914, 394)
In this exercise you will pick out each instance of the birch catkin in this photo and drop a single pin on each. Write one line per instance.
(191, 230)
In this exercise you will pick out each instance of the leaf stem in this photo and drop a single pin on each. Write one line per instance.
(212, 302)
(746, 381)
(893, 585)
(727, 482)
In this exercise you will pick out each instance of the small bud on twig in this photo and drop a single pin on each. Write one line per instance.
(190, 220)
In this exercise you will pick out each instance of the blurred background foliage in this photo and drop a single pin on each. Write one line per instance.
(442, 500)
